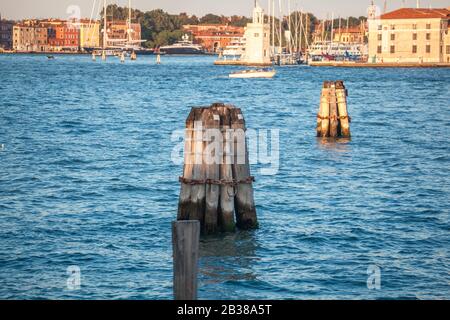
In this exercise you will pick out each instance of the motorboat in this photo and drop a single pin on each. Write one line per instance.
(185, 46)
(254, 73)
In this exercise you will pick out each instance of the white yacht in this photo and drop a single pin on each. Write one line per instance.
(335, 50)
(185, 46)
(235, 50)
(254, 73)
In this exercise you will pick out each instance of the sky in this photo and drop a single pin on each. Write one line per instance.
(20, 9)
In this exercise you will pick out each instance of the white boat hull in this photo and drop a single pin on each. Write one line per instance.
(247, 75)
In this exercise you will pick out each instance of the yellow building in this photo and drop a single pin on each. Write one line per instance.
(89, 33)
(410, 35)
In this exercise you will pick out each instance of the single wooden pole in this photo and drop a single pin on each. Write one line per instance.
(244, 200)
(342, 94)
(212, 163)
(333, 112)
(226, 213)
(184, 205)
(198, 191)
(325, 109)
(185, 244)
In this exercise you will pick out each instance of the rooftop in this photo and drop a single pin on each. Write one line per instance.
(420, 13)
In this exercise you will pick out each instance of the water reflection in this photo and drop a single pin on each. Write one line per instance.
(227, 257)
(334, 144)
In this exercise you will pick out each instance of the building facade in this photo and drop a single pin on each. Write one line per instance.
(257, 35)
(410, 35)
(6, 34)
(30, 36)
(214, 37)
(89, 36)
(350, 35)
(117, 32)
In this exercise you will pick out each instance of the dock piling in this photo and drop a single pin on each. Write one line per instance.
(216, 186)
(333, 120)
(185, 244)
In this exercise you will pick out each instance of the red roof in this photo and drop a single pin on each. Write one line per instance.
(421, 13)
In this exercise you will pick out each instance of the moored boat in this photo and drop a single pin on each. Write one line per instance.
(254, 73)
(185, 46)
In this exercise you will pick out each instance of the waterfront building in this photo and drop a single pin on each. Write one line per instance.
(410, 35)
(6, 31)
(30, 36)
(71, 37)
(89, 33)
(350, 35)
(117, 32)
(214, 37)
(257, 36)
(55, 32)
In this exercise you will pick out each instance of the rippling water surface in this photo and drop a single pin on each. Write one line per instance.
(86, 179)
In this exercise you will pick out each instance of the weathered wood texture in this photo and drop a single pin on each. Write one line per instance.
(216, 187)
(185, 244)
(333, 119)
(344, 118)
(244, 200)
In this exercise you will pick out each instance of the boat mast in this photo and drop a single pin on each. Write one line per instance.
(129, 22)
(105, 35)
(301, 29)
(290, 26)
(280, 26)
(332, 30)
(269, 18)
(340, 33)
(273, 26)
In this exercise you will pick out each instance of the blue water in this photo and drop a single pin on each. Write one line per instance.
(86, 179)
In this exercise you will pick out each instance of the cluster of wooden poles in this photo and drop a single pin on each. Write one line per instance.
(333, 120)
(216, 185)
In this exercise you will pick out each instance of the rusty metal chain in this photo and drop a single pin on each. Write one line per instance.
(220, 182)
(334, 118)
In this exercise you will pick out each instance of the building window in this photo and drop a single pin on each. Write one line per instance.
(414, 26)
(448, 49)
(380, 37)
(392, 26)
(414, 36)
(256, 35)
(414, 49)
(380, 27)
(392, 49)
(428, 48)
(392, 37)
(428, 25)
(379, 49)
(428, 36)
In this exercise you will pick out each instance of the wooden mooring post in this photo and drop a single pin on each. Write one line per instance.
(185, 242)
(216, 184)
(333, 119)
